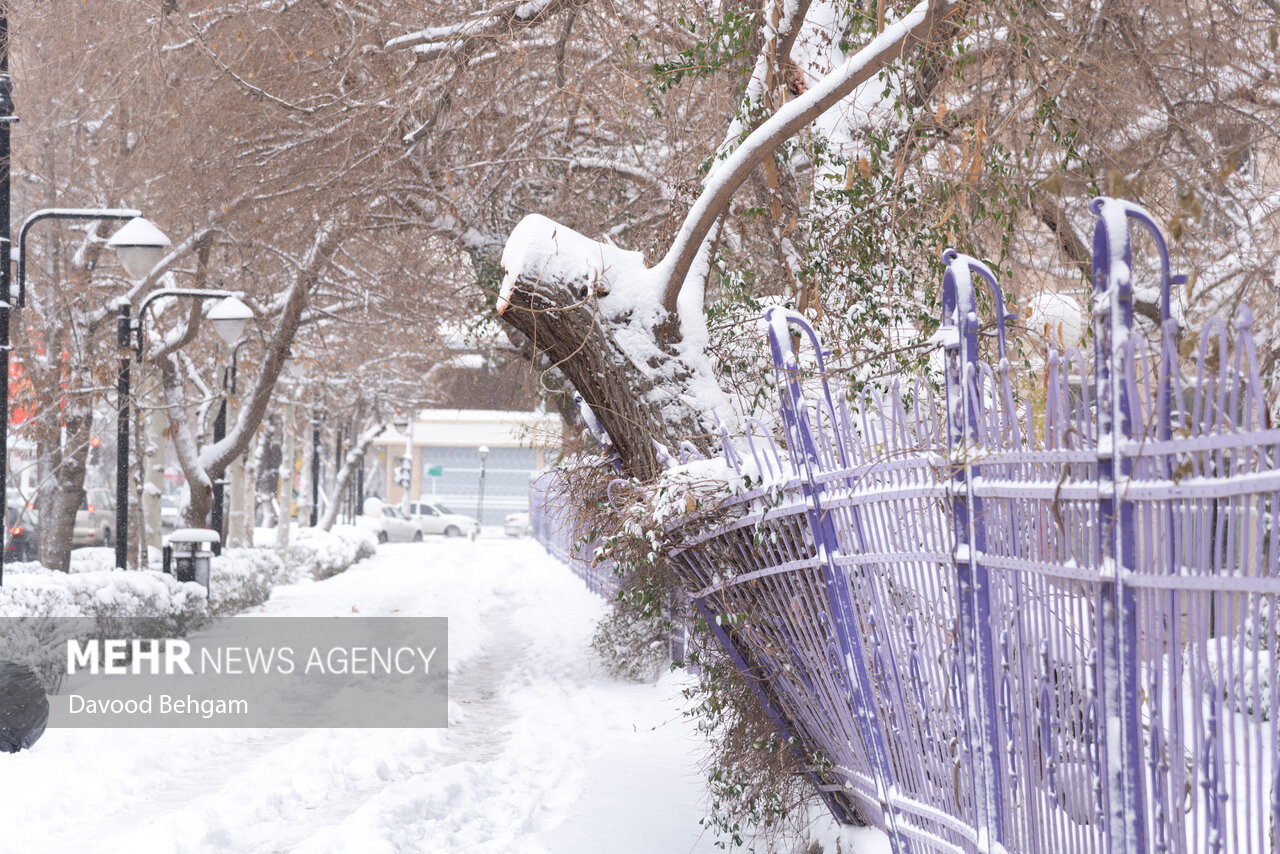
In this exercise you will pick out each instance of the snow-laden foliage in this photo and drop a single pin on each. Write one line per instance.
(242, 578)
(315, 553)
(104, 595)
(36, 601)
(36, 604)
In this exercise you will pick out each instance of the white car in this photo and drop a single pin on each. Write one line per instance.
(433, 517)
(517, 525)
(388, 523)
(170, 514)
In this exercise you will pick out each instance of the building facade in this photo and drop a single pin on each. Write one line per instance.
(446, 466)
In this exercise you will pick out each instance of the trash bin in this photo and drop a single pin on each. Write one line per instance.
(187, 553)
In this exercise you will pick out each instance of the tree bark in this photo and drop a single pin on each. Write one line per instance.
(153, 427)
(349, 463)
(202, 466)
(632, 404)
(284, 485)
(62, 492)
(558, 307)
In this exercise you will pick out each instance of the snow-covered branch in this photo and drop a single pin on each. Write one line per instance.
(914, 28)
(353, 456)
(509, 19)
(215, 457)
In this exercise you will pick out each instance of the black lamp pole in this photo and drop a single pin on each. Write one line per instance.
(315, 471)
(6, 291)
(219, 485)
(125, 328)
(217, 516)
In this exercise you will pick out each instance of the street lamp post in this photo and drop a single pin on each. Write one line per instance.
(229, 318)
(217, 515)
(483, 450)
(20, 298)
(16, 292)
(7, 118)
(315, 469)
(140, 246)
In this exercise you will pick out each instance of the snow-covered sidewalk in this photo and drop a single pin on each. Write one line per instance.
(544, 753)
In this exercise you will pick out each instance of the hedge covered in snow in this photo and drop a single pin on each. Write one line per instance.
(320, 554)
(30, 590)
(153, 603)
(118, 604)
(241, 578)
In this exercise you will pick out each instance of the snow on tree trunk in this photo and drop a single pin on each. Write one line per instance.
(61, 494)
(596, 311)
(284, 484)
(153, 426)
(304, 480)
(349, 463)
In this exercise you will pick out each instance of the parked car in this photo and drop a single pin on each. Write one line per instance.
(388, 522)
(170, 514)
(433, 517)
(517, 525)
(400, 528)
(95, 519)
(24, 533)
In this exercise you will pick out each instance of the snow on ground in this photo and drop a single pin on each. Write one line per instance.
(544, 753)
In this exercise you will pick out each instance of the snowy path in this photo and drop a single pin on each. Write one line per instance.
(543, 754)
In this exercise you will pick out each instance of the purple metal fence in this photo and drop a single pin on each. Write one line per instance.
(1020, 619)
(552, 527)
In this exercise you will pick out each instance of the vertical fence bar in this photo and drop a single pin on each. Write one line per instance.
(973, 596)
(1118, 677)
(800, 435)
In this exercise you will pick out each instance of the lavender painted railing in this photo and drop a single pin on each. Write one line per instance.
(1039, 615)
(553, 528)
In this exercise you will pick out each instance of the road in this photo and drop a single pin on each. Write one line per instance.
(544, 753)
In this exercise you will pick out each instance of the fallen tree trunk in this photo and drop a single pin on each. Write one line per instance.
(634, 392)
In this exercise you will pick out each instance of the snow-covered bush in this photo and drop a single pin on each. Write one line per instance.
(632, 646)
(104, 596)
(39, 603)
(165, 607)
(242, 578)
(96, 559)
(30, 590)
(321, 554)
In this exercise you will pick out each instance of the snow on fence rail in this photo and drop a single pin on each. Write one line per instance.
(1010, 621)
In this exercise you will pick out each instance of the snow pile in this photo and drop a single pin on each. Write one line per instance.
(242, 578)
(544, 250)
(319, 554)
